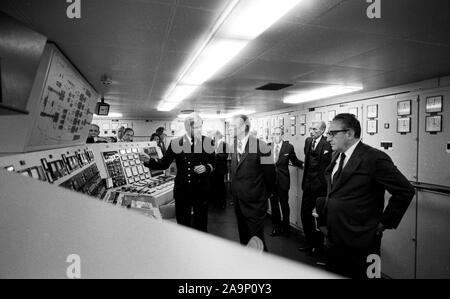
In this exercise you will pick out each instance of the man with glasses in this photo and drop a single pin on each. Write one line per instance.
(317, 159)
(195, 160)
(282, 153)
(357, 179)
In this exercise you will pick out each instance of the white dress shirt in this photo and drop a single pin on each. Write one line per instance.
(244, 144)
(348, 153)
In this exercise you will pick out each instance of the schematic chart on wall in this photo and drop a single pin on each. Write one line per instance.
(66, 106)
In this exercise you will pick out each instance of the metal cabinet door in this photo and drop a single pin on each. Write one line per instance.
(398, 246)
(433, 237)
(433, 215)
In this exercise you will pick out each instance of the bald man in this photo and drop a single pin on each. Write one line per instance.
(93, 137)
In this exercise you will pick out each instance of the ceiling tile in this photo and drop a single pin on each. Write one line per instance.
(338, 75)
(399, 55)
(324, 46)
(190, 28)
(271, 71)
(416, 19)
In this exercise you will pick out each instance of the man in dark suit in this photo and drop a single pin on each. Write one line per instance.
(317, 158)
(357, 179)
(282, 152)
(194, 157)
(221, 151)
(248, 184)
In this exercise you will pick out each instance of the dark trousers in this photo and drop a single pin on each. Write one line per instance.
(351, 262)
(280, 197)
(312, 236)
(249, 227)
(219, 190)
(194, 201)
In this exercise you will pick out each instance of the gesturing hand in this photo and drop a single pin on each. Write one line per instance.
(144, 157)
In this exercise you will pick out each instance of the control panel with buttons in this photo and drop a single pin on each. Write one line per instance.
(114, 168)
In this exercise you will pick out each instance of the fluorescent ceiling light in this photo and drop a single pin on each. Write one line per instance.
(180, 92)
(216, 54)
(166, 106)
(219, 116)
(320, 93)
(112, 114)
(240, 22)
(250, 18)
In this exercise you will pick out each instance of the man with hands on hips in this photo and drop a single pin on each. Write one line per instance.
(195, 161)
(354, 210)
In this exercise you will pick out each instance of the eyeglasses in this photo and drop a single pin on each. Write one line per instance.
(334, 132)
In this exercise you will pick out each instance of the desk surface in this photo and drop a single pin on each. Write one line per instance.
(41, 225)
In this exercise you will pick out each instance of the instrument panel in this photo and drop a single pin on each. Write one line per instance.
(109, 172)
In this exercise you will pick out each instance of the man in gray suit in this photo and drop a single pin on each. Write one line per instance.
(249, 161)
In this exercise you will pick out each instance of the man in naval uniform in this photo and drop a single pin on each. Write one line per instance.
(195, 161)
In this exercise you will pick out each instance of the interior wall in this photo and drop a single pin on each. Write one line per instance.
(143, 128)
(383, 130)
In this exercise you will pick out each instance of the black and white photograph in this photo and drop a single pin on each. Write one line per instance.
(225, 146)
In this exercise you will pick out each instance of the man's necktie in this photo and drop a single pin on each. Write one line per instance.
(313, 145)
(338, 172)
(276, 153)
(239, 149)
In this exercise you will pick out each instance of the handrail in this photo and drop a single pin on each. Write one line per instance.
(430, 187)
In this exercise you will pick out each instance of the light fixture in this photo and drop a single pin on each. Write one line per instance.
(166, 106)
(250, 18)
(218, 53)
(241, 22)
(320, 93)
(220, 115)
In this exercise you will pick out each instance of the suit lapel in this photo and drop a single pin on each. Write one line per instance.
(272, 150)
(282, 149)
(308, 146)
(320, 145)
(329, 171)
(234, 156)
(350, 167)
